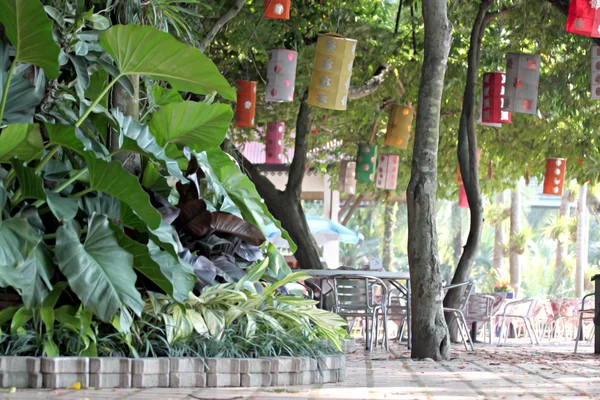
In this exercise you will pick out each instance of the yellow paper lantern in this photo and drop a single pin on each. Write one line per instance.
(331, 73)
(399, 126)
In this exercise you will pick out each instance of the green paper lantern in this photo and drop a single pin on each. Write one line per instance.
(366, 159)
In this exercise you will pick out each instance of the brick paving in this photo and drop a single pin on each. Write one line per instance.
(517, 371)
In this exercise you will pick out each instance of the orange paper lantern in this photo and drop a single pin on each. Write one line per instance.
(399, 126)
(554, 178)
(246, 104)
(277, 9)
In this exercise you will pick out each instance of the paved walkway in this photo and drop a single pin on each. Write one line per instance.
(521, 371)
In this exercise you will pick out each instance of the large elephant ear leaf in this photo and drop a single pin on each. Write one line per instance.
(22, 141)
(30, 31)
(229, 223)
(146, 50)
(111, 178)
(31, 185)
(199, 126)
(100, 272)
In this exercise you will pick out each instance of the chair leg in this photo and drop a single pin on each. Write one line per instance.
(385, 330)
(466, 329)
(501, 330)
(367, 333)
(579, 329)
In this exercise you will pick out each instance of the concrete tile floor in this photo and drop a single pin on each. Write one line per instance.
(517, 371)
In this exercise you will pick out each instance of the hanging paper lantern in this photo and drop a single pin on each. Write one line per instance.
(387, 171)
(277, 9)
(595, 72)
(399, 126)
(554, 179)
(281, 75)
(365, 162)
(480, 114)
(463, 202)
(492, 99)
(347, 183)
(331, 73)
(584, 18)
(522, 83)
(246, 104)
(274, 145)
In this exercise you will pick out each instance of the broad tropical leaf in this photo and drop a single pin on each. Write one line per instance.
(64, 135)
(229, 223)
(199, 126)
(111, 178)
(100, 272)
(23, 141)
(148, 51)
(137, 138)
(18, 240)
(31, 185)
(102, 204)
(63, 208)
(293, 277)
(278, 268)
(30, 31)
(162, 96)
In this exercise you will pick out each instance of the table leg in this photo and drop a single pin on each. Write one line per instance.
(321, 296)
(474, 332)
(408, 313)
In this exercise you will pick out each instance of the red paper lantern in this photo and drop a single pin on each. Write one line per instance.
(554, 179)
(277, 9)
(584, 18)
(274, 146)
(492, 99)
(463, 202)
(246, 104)
(387, 171)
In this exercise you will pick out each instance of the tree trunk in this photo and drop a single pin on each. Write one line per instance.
(561, 247)
(389, 221)
(499, 238)
(515, 228)
(582, 240)
(430, 333)
(468, 158)
(129, 106)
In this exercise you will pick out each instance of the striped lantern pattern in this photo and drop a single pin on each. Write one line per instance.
(332, 70)
(492, 99)
(463, 202)
(554, 178)
(274, 145)
(347, 182)
(595, 72)
(522, 83)
(365, 162)
(246, 104)
(281, 75)
(387, 171)
(480, 114)
(399, 126)
(277, 9)
(584, 18)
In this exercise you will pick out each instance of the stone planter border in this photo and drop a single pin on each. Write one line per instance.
(106, 372)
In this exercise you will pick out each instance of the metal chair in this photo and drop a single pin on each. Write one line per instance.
(511, 311)
(479, 309)
(585, 314)
(397, 306)
(458, 314)
(355, 297)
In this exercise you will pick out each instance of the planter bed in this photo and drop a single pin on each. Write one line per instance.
(106, 372)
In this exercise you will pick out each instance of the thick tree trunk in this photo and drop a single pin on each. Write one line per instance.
(499, 238)
(430, 333)
(129, 106)
(561, 247)
(515, 228)
(467, 157)
(581, 259)
(389, 220)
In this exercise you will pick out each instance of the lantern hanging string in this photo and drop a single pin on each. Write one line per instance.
(256, 68)
(374, 130)
(398, 17)
(249, 38)
(339, 16)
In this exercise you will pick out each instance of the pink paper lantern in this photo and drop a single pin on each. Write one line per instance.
(463, 202)
(387, 171)
(281, 75)
(274, 145)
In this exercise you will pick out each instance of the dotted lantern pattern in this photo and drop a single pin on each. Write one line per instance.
(595, 83)
(522, 76)
(554, 177)
(347, 182)
(399, 126)
(387, 171)
(366, 159)
(277, 9)
(274, 145)
(246, 104)
(281, 75)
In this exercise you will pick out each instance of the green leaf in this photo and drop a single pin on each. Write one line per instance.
(21, 317)
(293, 277)
(30, 31)
(23, 141)
(148, 51)
(137, 138)
(31, 185)
(162, 96)
(18, 240)
(253, 274)
(199, 126)
(102, 204)
(99, 271)
(296, 301)
(278, 268)
(63, 208)
(47, 308)
(111, 178)
(64, 135)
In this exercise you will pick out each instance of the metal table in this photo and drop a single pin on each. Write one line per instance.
(322, 274)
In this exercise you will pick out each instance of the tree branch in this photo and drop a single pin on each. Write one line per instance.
(298, 165)
(370, 86)
(225, 18)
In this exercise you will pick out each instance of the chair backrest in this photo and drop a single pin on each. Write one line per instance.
(357, 293)
(466, 288)
(479, 306)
